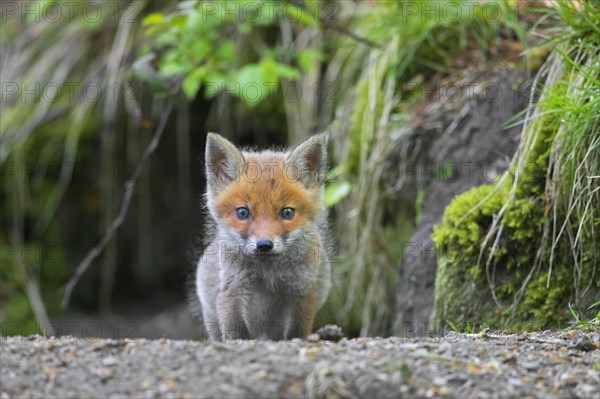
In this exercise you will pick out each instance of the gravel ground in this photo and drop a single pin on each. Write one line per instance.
(544, 365)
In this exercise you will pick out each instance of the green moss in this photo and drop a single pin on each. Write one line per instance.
(462, 286)
(546, 302)
(467, 276)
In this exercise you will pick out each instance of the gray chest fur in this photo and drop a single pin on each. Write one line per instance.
(256, 296)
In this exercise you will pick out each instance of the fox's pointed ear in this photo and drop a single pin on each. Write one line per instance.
(308, 161)
(223, 163)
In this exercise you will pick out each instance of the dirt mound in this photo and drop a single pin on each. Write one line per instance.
(462, 142)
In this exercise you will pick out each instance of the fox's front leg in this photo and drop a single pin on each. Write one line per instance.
(306, 310)
(231, 324)
(212, 329)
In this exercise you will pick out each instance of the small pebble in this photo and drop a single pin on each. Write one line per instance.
(109, 361)
(583, 343)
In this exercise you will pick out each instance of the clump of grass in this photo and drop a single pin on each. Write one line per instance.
(412, 43)
(586, 325)
(555, 173)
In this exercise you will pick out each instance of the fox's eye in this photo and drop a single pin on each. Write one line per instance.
(287, 213)
(242, 213)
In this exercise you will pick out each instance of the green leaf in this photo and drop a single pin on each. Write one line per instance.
(335, 192)
(227, 51)
(298, 14)
(153, 19)
(192, 82)
(200, 49)
(207, 17)
(214, 82)
(269, 69)
(249, 84)
(594, 305)
(287, 72)
(171, 68)
(194, 21)
(178, 21)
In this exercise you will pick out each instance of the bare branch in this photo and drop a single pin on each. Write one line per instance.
(351, 34)
(341, 29)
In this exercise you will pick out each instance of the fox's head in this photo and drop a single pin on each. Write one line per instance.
(266, 203)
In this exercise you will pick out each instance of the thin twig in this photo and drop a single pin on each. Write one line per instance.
(129, 188)
(351, 34)
(35, 299)
(341, 29)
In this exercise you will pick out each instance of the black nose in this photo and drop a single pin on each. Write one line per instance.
(264, 245)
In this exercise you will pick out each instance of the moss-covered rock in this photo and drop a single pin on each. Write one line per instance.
(481, 287)
(516, 256)
(467, 276)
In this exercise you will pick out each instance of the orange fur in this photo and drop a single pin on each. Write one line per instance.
(307, 309)
(266, 188)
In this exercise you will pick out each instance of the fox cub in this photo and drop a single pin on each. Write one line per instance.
(266, 271)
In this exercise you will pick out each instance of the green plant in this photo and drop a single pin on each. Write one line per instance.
(258, 61)
(536, 249)
(586, 325)
(219, 46)
(406, 47)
